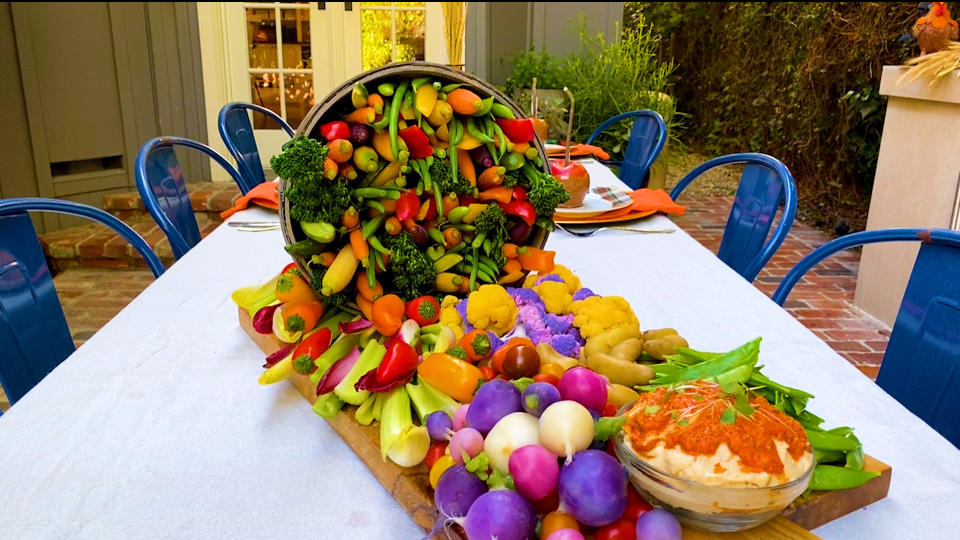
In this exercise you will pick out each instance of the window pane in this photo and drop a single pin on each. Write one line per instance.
(265, 91)
(411, 29)
(262, 38)
(296, 38)
(376, 45)
(298, 90)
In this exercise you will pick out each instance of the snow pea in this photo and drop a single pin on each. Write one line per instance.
(746, 354)
(831, 477)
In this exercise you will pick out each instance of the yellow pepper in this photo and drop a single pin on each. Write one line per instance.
(449, 315)
(597, 314)
(492, 308)
(556, 297)
(440, 467)
(451, 375)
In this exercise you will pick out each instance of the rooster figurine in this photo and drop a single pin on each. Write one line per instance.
(935, 29)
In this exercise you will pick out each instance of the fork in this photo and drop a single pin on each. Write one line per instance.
(254, 223)
(592, 232)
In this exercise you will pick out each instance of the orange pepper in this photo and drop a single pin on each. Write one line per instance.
(451, 375)
(498, 193)
(520, 147)
(351, 219)
(496, 361)
(450, 202)
(366, 306)
(360, 247)
(511, 251)
(451, 237)
(465, 163)
(327, 257)
(388, 314)
(512, 266)
(302, 316)
(537, 260)
(491, 177)
(392, 226)
(293, 288)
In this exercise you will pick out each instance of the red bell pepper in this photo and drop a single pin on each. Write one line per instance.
(476, 343)
(407, 206)
(519, 193)
(335, 130)
(517, 130)
(424, 310)
(467, 200)
(309, 350)
(397, 368)
(417, 142)
(522, 209)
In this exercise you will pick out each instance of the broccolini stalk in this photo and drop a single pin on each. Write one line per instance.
(544, 193)
(442, 175)
(491, 225)
(412, 271)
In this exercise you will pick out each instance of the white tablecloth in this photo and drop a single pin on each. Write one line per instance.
(157, 427)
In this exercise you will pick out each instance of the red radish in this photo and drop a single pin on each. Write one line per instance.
(534, 470)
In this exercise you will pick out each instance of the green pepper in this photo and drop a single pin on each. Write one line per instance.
(830, 477)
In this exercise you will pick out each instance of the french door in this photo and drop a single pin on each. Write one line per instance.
(297, 52)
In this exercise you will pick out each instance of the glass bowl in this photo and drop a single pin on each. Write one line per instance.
(712, 508)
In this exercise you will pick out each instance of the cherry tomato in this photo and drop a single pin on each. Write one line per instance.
(636, 506)
(548, 503)
(521, 361)
(555, 521)
(551, 369)
(488, 373)
(543, 377)
(609, 410)
(436, 450)
(622, 529)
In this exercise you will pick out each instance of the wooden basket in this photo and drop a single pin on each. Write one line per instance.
(337, 103)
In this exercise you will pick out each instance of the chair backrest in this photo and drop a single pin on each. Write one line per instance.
(237, 134)
(764, 184)
(647, 139)
(164, 192)
(34, 336)
(921, 367)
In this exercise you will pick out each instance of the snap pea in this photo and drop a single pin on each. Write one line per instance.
(477, 242)
(386, 89)
(425, 173)
(736, 375)
(435, 235)
(745, 354)
(371, 226)
(473, 273)
(504, 142)
(377, 193)
(458, 248)
(305, 247)
(379, 258)
(377, 247)
(376, 205)
(464, 227)
(831, 441)
(454, 167)
(395, 118)
(493, 152)
(383, 122)
(831, 477)
(418, 82)
(828, 456)
(446, 89)
(502, 111)
(487, 246)
(472, 129)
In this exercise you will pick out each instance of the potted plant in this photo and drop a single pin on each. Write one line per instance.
(548, 70)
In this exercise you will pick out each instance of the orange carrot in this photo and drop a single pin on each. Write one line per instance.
(293, 288)
(301, 316)
(512, 266)
(392, 226)
(330, 168)
(537, 260)
(466, 166)
(451, 237)
(498, 193)
(464, 101)
(326, 258)
(450, 202)
(491, 177)
(364, 289)
(348, 171)
(375, 101)
(363, 115)
(360, 247)
(340, 150)
(366, 306)
(350, 218)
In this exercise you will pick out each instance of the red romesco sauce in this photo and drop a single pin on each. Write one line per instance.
(689, 417)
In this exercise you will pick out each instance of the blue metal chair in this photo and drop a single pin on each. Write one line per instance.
(34, 337)
(921, 367)
(164, 192)
(764, 184)
(647, 138)
(237, 133)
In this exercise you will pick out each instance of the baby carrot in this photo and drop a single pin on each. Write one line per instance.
(360, 247)
(363, 115)
(350, 218)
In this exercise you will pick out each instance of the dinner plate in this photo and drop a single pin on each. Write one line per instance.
(593, 220)
(595, 204)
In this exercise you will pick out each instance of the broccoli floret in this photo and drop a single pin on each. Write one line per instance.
(492, 224)
(441, 174)
(412, 271)
(544, 193)
(336, 299)
(312, 197)
(512, 178)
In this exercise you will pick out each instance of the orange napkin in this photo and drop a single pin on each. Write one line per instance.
(580, 150)
(264, 195)
(646, 202)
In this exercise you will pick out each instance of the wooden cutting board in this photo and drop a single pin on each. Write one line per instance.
(411, 487)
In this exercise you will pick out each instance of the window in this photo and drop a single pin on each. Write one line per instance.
(392, 32)
(280, 60)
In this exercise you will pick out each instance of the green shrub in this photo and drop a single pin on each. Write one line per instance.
(548, 70)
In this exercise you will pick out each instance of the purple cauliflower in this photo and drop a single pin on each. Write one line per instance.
(549, 277)
(462, 310)
(566, 345)
(583, 293)
(526, 297)
(558, 324)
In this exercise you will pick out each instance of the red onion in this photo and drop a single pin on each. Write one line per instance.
(353, 327)
(279, 355)
(337, 372)
(263, 319)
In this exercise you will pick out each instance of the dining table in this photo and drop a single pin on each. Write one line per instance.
(156, 427)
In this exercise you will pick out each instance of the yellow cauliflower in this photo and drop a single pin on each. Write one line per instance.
(449, 315)
(491, 308)
(598, 314)
(556, 297)
(564, 273)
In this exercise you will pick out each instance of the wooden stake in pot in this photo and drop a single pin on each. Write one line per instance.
(533, 98)
(566, 157)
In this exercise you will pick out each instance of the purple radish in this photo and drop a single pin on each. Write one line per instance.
(439, 426)
(460, 417)
(481, 156)
(538, 396)
(494, 400)
(565, 534)
(466, 441)
(658, 524)
(456, 492)
(501, 514)
(593, 488)
(360, 134)
(520, 232)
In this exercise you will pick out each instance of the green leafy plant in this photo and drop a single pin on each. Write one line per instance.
(548, 69)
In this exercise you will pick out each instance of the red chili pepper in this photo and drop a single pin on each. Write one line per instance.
(407, 206)
(522, 209)
(417, 142)
(335, 130)
(400, 362)
(489, 373)
(518, 131)
(477, 345)
(309, 350)
(424, 310)
(519, 193)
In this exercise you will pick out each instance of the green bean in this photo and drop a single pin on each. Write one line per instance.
(395, 118)
(375, 204)
(371, 226)
(478, 241)
(377, 193)
(831, 477)
(377, 246)
(473, 273)
(378, 257)
(493, 152)
(371, 270)
(477, 134)
(425, 173)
